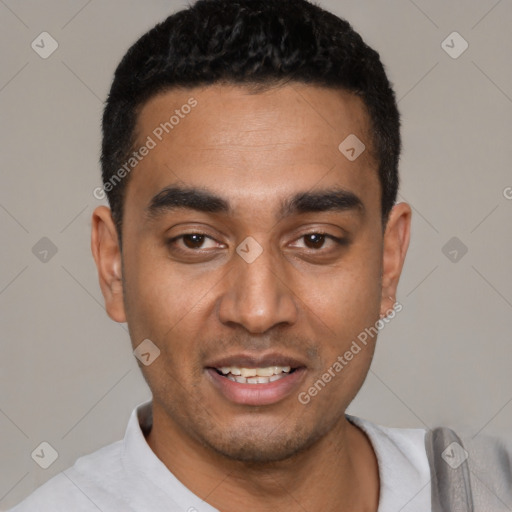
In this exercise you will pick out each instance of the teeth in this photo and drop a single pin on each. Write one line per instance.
(262, 380)
(253, 372)
(265, 372)
(254, 375)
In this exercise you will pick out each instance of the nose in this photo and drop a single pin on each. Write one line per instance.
(258, 295)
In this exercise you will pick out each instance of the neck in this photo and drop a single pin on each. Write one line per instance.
(338, 473)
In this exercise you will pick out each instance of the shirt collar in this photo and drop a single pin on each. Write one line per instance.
(138, 457)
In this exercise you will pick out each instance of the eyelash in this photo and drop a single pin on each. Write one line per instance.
(171, 241)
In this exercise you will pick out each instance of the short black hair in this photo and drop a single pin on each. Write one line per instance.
(261, 43)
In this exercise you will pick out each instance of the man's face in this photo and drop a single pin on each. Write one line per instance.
(254, 279)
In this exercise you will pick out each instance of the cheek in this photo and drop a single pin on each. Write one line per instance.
(164, 302)
(344, 311)
(163, 307)
(349, 297)
(152, 293)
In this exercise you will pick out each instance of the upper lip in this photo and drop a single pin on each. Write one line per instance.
(248, 360)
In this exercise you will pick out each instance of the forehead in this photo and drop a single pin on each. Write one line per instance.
(246, 145)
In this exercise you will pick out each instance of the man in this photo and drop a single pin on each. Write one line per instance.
(254, 247)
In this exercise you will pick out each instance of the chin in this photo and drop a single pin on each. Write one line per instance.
(258, 445)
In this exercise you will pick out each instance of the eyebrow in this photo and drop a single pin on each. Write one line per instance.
(174, 198)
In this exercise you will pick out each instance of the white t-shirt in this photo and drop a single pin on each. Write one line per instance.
(127, 476)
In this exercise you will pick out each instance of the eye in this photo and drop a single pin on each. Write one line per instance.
(316, 241)
(192, 241)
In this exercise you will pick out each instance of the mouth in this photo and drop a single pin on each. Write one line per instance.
(249, 380)
(255, 375)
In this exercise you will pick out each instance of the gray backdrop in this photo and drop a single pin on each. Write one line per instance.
(67, 374)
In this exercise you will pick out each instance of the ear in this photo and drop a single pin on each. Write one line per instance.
(107, 255)
(396, 243)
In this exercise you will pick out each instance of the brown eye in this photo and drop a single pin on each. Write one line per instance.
(314, 240)
(193, 241)
(320, 242)
(192, 244)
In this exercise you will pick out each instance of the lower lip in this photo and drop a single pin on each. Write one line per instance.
(257, 394)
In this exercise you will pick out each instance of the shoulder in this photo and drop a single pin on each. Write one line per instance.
(56, 495)
(470, 471)
(404, 443)
(79, 487)
(490, 466)
(403, 466)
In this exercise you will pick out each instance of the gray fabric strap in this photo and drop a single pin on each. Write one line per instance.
(449, 471)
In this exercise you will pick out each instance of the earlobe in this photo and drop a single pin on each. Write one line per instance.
(107, 255)
(396, 243)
